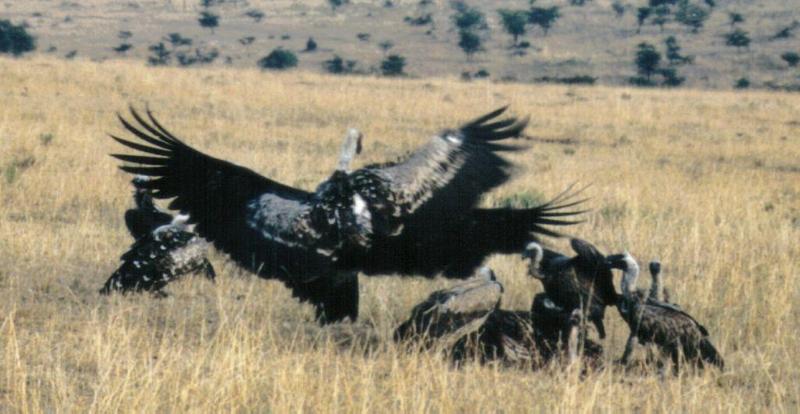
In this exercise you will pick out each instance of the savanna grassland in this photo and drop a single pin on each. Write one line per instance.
(708, 182)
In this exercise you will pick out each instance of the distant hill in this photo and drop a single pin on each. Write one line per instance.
(593, 42)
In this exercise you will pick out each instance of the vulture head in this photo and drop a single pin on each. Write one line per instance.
(350, 148)
(534, 252)
(656, 286)
(630, 270)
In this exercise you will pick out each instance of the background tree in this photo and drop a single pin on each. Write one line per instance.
(735, 18)
(255, 14)
(177, 40)
(514, 22)
(122, 48)
(742, 83)
(659, 3)
(647, 60)
(691, 15)
(642, 13)
(14, 39)
(393, 65)
(543, 17)
(337, 3)
(339, 66)
(785, 32)
(738, 39)
(469, 42)
(160, 55)
(311, 45)
(673, 53)
(208, 20)
(671, 77)
(278, 59)
(619, 8)
(661, 16)
(468, 18)
(385, 46)
(791, 58)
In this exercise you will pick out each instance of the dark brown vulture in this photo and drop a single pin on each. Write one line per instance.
(584, 281)
(650, 320)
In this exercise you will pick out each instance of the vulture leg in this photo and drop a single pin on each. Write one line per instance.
(601, 328)
(208, 270)
(632, 341)
(334, 298)
(574, 337)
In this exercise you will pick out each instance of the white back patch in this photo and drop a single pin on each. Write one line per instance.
(360, 207)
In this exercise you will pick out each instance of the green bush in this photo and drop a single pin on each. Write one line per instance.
(393, 65)
(278, 59)
(14, 39)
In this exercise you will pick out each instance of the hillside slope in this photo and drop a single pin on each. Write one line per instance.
(590, 40)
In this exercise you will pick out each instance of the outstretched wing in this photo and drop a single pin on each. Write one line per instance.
(456, 247)
(233, 206)
(452, 171)
(593, 268)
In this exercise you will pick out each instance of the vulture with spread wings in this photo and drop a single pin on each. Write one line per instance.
(419, 216)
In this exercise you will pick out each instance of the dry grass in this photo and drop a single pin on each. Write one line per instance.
(706, 181)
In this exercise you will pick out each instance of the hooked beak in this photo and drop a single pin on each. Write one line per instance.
(616, 261)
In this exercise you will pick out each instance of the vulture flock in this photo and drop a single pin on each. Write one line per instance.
(419, 216)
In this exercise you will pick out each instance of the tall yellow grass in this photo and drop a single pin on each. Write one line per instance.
(709, 182)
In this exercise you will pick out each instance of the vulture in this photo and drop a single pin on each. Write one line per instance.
(555, 329)
(581, 282)
(159, 257)
(164, 248)
(657, 289)
(449, 314)
(417, 216)
(650, 320)
(517, 337)
(466, 321)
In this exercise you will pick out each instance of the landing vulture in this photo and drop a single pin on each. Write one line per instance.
(419, 216)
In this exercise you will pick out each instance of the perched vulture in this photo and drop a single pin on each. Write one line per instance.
(581, 282)
(650, 320)
(419, 216)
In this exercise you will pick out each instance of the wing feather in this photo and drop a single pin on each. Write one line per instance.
(219, 196)
(453, 170)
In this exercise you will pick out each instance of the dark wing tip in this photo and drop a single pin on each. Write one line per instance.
(483, 118)
(558, 212)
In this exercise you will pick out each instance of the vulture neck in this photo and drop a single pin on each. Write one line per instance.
(350, 148)
(143, 200)
(630, 276)
(535, 253)
(656, 286)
